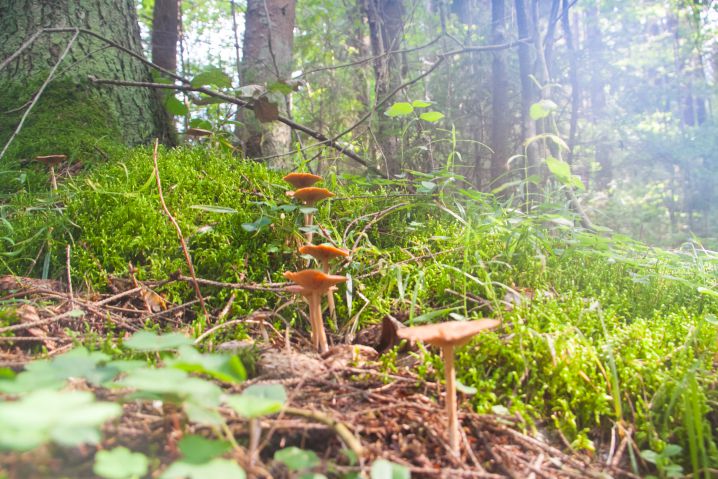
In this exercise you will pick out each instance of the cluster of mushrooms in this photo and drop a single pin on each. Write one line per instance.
(313, 284)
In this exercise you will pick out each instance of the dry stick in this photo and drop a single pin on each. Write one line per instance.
(69, 278)
(179, 231)
(40, 322)
(340, 428)
(269, 287)
(40, 91)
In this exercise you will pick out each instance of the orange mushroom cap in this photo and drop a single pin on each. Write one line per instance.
(323, 251)
(314, 280)
(301, 180)
(51, 159)
(450, 333)
(312, 194)
(198, 132)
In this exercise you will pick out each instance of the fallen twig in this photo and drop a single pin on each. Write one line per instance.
(187, 257)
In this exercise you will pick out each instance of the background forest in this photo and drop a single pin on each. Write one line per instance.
(630, 86)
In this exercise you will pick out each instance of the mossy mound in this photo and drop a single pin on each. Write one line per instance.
(598, 329)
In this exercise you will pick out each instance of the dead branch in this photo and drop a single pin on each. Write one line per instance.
(187, 257)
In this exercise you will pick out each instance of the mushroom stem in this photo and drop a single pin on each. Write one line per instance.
(311, 299)
(330, 293)
(53, 178)
(448, 353)
(321, 334)
(308, 221)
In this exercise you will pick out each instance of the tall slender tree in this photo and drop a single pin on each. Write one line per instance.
(499, 94)
(266, 59)
(165, 33)
(386, 25)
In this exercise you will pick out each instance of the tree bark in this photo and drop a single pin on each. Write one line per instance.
(596, 85)
(70, 106)
(499, 95)
(266, 59)
(386, 24)
(165, 34)
(573, 77)
(528, 93)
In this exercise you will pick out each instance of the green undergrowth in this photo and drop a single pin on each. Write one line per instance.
(600, 333)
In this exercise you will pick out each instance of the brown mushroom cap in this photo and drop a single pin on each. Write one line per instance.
(323, 252)
(314, 280)
(198, 132)
(312, 194)
(301, 180)
(51, 159)
(450, 333)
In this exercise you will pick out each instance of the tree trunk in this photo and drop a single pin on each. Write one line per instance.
(499, 95)
(165, 34)
(71, 115)
(528, 94)
(597, 95)
(266, 59)
(386, 24)
(573, 77)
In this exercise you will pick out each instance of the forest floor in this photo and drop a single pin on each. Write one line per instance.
(346, 400)
(604, 363)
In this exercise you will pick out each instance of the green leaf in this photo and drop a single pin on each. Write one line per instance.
(463, 388)
(258, 400)
(69, 418)
(280, 87)
(198, 450)
(224, 367)
(431, 116)
(120, 463)
(200, 123)
(216, 468)
(428, 317)
(150, 342)
(401, 108)
(297, 459)
(52, 374)
(212, 76)
(708, 292)
(257, 225)
(215, 209)
(542, 109)
(383, 469)
(420, 104)
(172, 384)
(175, 106)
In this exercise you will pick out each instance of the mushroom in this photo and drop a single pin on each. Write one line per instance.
(301, 180)
(447, 336)
(309, 196)
(313, 285)
(323, 253)
(51, 161)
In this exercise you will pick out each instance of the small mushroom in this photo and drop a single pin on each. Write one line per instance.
(309, 196)
(323, 254)
(301, 180)
(51, 161)
(313, 285)
(447, 336)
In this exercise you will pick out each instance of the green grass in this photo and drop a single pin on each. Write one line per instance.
(618, 333)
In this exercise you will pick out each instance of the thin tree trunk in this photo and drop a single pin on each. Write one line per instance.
(499, 95)
(267, 58)
(573, 77)
(596, 84)
(386, 24)
(165, 34)
(528, 127)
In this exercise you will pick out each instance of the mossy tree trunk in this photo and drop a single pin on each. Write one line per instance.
(72, 111)
(266, 59)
